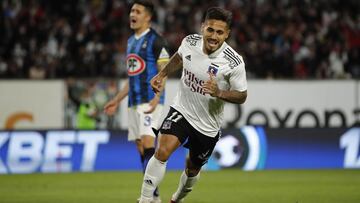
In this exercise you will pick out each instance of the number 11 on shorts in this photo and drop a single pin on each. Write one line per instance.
(175, 117)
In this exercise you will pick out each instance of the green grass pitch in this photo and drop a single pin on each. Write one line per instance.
(226, 186)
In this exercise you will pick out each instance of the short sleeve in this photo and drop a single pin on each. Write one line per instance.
(161, 49)
(189, 41)
(238, 78)
(181, 47)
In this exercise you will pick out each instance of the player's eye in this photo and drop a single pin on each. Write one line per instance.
(209, 29)
(135, 11)
(220, 32)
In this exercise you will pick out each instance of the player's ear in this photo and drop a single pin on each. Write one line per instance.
(202, 28)
(148, 17)
(227, 32)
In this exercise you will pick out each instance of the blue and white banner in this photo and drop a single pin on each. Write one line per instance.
(69, 151)
(248, 148)
(254, 148)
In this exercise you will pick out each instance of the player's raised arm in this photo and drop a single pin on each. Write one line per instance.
(158, 81)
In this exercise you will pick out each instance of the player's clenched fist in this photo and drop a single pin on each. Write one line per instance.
(211, 87)
(157, 83)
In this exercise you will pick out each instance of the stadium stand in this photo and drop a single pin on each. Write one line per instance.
(285, 39)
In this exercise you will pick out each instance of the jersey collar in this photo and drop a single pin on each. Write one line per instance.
(142, 34)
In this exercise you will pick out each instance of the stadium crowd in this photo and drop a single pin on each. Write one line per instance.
(87, 38)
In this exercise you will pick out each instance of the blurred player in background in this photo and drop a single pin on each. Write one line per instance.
(146, 54)
(212, 74)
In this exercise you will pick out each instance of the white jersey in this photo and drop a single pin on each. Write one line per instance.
(203, 112)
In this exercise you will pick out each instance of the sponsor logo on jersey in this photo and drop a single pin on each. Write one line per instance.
(188, 57)
(135, 64)
(193, 82)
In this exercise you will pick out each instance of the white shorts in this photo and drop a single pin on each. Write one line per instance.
(140, 123)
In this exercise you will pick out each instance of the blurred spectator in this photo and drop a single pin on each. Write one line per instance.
(36, 72)
(83, 100)
(86, 38)
(87, 114)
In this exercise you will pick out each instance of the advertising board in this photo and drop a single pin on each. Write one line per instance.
(28, 104)
(248, 148)
(286, 104)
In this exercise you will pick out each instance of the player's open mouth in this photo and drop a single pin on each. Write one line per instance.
(212, 42)
(133, 21)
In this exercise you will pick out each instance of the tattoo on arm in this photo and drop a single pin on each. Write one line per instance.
(174, 64)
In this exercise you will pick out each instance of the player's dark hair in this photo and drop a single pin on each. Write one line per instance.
(149, 6)
(217, 13)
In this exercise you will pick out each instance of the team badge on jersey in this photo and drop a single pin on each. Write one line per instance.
(213, 69)
(144, 45)
(135, 64)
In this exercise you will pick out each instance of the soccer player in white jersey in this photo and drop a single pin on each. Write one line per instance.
(212, 74)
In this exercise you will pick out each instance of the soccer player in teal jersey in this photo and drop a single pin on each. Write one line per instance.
(146, 54)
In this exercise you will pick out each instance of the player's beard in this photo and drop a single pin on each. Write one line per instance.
(212, 46)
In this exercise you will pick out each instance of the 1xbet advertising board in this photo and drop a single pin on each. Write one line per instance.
(248, 148)
(67, 151)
